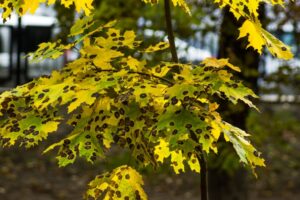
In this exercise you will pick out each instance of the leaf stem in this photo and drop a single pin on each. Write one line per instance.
(170, 31)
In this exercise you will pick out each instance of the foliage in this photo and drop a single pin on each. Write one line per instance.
(111, 95)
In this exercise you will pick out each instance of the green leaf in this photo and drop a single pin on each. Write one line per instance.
(247, 153)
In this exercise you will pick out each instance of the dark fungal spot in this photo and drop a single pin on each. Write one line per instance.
(186, 98)
(127, 176)
(131, 123)
(111, 79)
(283, 48)
(166, 105)
(122, 112)
(143, 95)
(35, 133)
(175, 132)
(117, 115)
(206, 136)
(178, 112)
(198, 131)
(171, 123)
(188, 126)
(180, 78)
(96, 95)
(180, 142)
(162, 45)
(114, 48)
(104, 125)
(255, 153)
(46, 100)
(118, 194)
(121, 122)
(166, 96)
(185, 92)
(40, 96)
(174, 100)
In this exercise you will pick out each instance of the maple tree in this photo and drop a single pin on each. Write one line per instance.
(111, 95)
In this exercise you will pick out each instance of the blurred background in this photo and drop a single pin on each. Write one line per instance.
(28, 175)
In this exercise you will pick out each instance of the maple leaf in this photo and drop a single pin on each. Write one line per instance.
(121, 183)
(247, 153)
(157, 47)
(258, 37)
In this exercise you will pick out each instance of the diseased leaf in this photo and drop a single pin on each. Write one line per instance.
(258, 37)
(158, 47)
(121, 183)
(247, 153)
(24, 6)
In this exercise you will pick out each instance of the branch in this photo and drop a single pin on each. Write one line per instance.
(204, 177)
(170, 31)
(139, 73)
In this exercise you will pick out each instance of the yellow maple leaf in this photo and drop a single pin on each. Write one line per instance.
(177, 161)
(258, 37)
(194, 163)
(162, 150)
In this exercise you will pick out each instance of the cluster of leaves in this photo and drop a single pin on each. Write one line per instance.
(257, 36)
(24, 6)
(160, 112)
(111, 95)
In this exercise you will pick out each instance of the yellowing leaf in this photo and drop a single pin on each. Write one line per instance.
(157, 47)
(194, 163)
(177, 161)
(258, 37)
(219, 63)
(23, 6)
(253, 31)
(121, 183)
(162, 150)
